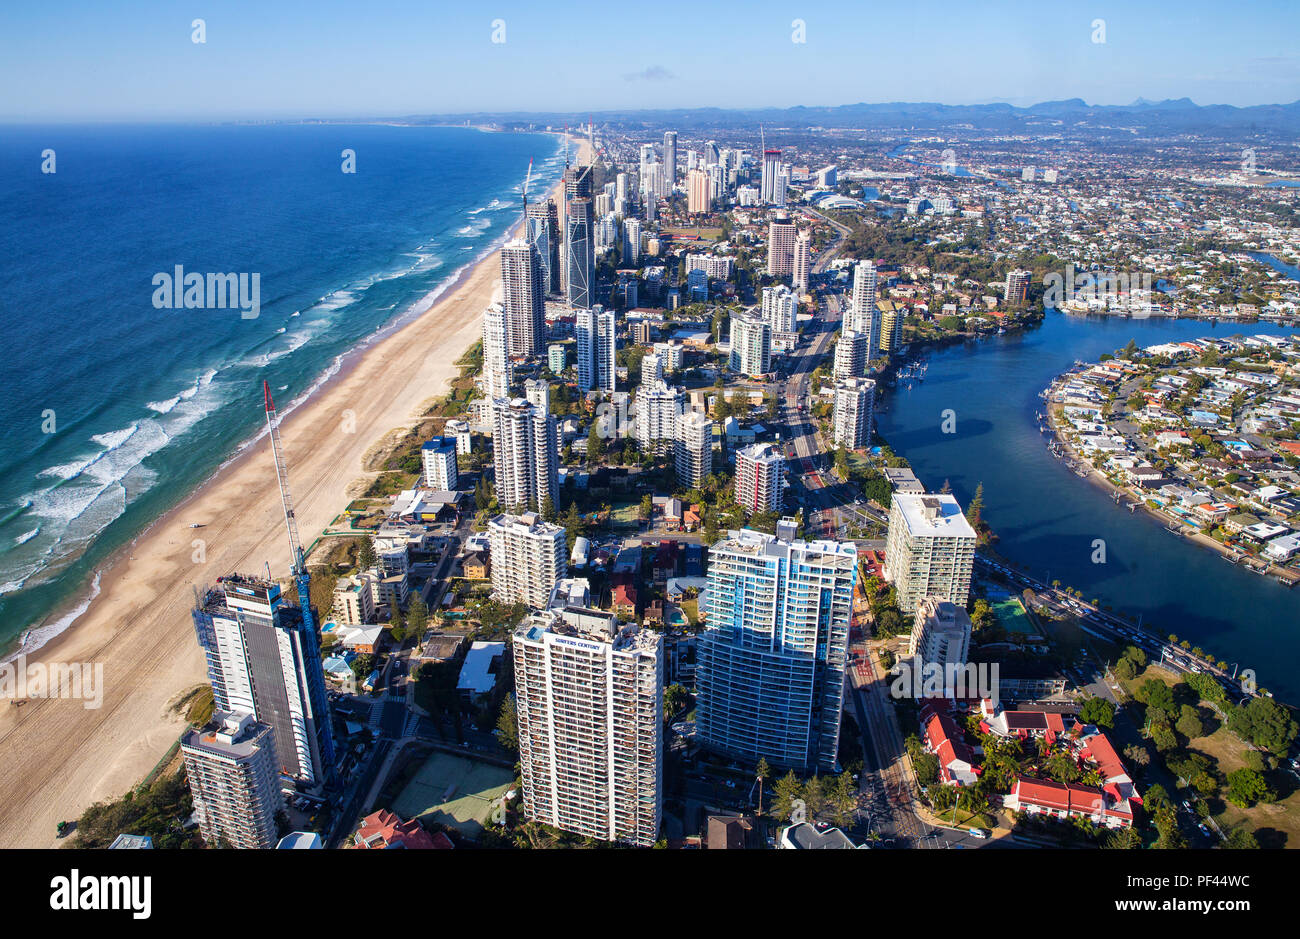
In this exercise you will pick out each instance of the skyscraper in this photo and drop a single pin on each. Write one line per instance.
(631, 241)
(758, 478)
(658, 408)
(780, 247)
(1017, 287)
(851, 355)
(940, 634)
(891, 330)
(234, 780)
(498, 371)
(854, 402)
(524, 297)
(580, 270)
(751, 345)
(771, 662)
(438, 458)
(594, 331)
(543, 232)
(778, 307)
(694, 449)
(589, 699)
(529, 556)
(771, 169)
(930, 551)
(670, 158)
(260, 662)
(698, 195)
(864, 316)
(802, 262)
(525, 452)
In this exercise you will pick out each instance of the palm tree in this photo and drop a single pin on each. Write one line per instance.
(761, 772)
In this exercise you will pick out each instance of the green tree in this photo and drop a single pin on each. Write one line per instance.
(1189, 723)
(784, 793)
(508, 724)
(1265, 723)
(675, 698)
(1246, 787)
(417, 616)
(1098, 711)
(762, 772)
(365, 554)
(1239, 839)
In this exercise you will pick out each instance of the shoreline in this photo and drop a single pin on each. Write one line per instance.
(1098, 478)
(59, 758)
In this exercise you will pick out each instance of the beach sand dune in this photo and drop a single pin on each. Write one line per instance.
(57, 757)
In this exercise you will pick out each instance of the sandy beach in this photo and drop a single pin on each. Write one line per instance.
(56, 757)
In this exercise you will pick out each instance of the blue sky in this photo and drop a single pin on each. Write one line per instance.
(63, 61)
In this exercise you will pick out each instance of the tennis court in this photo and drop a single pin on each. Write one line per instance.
(454, 791)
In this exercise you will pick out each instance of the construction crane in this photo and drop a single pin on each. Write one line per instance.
(310, 638)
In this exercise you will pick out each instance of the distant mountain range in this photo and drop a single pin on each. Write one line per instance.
(1159, 118)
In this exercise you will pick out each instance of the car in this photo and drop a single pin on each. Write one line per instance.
(1187, 805)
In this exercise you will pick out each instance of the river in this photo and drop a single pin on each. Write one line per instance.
(1048, 519)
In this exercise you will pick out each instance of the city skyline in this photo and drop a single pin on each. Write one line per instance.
(405, 60)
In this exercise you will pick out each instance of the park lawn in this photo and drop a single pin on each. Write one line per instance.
(691, 609)
(1226, 749)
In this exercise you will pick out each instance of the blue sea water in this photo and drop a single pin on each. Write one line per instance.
(111, 409)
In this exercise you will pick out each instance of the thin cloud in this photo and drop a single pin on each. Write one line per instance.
(654, 73)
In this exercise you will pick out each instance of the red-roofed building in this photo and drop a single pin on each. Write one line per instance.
(385, 829)
(1067, 800)
(943, 738)
(1021, 724)
(624, 597)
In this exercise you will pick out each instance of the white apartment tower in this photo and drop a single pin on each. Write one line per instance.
(658, 409)
(940, 633)
(438, 457)
(751, 345)
(758, 477)
(851, 355)
(671, 354)
(780, 308)
(854, 402)
(525, 453)
(864, 316)
(631, 241)
(498, 370)
(771, 662)
(652, 369)
(234, 780)
(529, 556)
(694, 456)
(768, 179)
(594, 331)
(802, 262)
(589, 699)
(930, 551)
(524, 290)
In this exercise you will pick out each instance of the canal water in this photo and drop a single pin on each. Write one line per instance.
(1048, 520)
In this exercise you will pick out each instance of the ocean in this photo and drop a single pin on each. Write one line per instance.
(115, 400)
